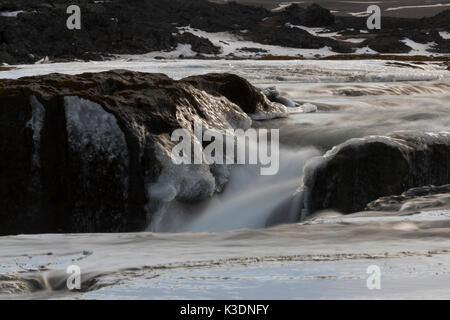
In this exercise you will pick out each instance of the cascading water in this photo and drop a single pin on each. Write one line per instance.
(249, 200)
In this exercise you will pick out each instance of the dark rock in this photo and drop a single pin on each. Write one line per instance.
(362, 170)
(311, 16)
(427, 197)
(142, 26)
(294, 38)
(198, 44)
(253, 50)
(387, 44)
(92, 152)
(239, 91)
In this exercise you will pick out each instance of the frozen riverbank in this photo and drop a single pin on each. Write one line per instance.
(322, 258)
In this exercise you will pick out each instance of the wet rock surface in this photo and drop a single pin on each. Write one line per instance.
(123, 27)
(414, 199)
(92, 152)
(359, 171)
(239, 91)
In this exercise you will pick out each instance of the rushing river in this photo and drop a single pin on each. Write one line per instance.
(222, 248)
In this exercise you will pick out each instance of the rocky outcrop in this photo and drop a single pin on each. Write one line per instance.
(239, 91)
(387, 44)
(114, 27)
(92, 152)
(311, 16)
(359, 171)
(198, 44)
(420, 198)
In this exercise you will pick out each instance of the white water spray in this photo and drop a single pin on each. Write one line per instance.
(249, 200)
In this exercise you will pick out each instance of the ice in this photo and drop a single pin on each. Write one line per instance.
(36, 123)
(89, 125)
(11, 14)
(94, 135)
(308, 260)
(280, 111)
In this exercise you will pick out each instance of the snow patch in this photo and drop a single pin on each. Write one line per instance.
(182, 49)
(419, 6)
(355, 40)
(231, 43)
(317, 32)
(361, 14)
(284, 5)
(365, 50)
(445, 35)
(418, 48)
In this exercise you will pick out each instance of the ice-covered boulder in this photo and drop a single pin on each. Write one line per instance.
(359, 171)
(92, 152)
(273, 95)
(241, 92)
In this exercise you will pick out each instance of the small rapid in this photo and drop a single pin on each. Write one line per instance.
(249, 200)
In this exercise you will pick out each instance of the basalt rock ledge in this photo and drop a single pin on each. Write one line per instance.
(92, 152)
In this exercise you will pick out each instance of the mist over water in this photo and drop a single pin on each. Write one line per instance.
(372, 109)
(250, 200)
